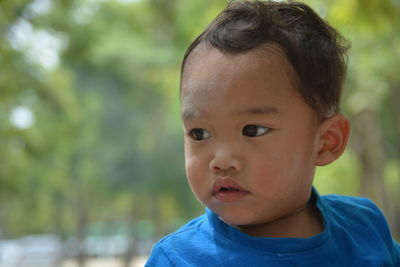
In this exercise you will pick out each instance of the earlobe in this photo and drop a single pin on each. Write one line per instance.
(334, 135)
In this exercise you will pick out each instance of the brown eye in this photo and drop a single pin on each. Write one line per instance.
(199, 134)
(254, 130)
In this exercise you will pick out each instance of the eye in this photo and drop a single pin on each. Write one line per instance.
(254, 130)
(199, 134)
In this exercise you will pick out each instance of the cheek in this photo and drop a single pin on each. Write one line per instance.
(301, 171)
(196, 170)
(197, 178)
(283, 161)
(192, 167)
(192, 159)
(196, 158)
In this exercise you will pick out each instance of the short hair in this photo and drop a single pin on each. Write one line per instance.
(316, 51)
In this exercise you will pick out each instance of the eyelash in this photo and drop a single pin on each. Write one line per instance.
(264, 130)
(197, 134)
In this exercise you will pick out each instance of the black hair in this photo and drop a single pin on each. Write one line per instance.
(316, 51)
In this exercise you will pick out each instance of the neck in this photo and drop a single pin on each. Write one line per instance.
(304, 223)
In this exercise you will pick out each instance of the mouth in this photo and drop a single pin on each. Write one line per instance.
(227, 190)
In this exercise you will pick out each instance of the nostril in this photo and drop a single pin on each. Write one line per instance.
(223, 169)
(225, 162)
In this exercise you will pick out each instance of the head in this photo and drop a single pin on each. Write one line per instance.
(260, 92)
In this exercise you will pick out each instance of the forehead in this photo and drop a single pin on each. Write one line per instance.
(253, 78)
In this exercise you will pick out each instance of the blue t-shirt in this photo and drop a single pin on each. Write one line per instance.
(355, 234)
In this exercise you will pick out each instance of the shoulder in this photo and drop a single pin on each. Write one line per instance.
(350, 202)
(196, 225)
(359, 208)
(171, 249)
(351, 212)
(362, 220)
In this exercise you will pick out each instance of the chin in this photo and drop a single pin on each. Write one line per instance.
(237, 223)
(235, 217)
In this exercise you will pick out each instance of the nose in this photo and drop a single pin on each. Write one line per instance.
(226, 160)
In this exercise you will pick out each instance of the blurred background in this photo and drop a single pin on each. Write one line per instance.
(91, 151)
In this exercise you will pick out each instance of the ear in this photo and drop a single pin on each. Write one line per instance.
(334, 135)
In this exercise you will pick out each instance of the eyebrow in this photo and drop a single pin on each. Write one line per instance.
(189, 114)
(266, 110)
(258, 110)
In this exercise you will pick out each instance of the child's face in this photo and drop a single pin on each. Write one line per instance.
(251, 140)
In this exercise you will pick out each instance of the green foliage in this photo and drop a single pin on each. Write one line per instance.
(340, 177)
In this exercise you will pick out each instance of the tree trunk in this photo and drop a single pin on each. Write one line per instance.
(1, 221)
(58, 219)
(132, 251)
(368, 145)
(394, 96)
(82, 221)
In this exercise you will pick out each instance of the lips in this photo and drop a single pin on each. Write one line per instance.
(227, 190)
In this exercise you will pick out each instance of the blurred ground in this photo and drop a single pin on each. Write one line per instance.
(112, 262)
(101, 262)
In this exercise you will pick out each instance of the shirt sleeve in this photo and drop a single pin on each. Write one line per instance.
(392, 244)
(158, 258)
(396, 252)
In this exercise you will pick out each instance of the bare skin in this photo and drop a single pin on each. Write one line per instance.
(308, 224)
(252, 143)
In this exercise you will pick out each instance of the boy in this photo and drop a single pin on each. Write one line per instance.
(260, 92)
